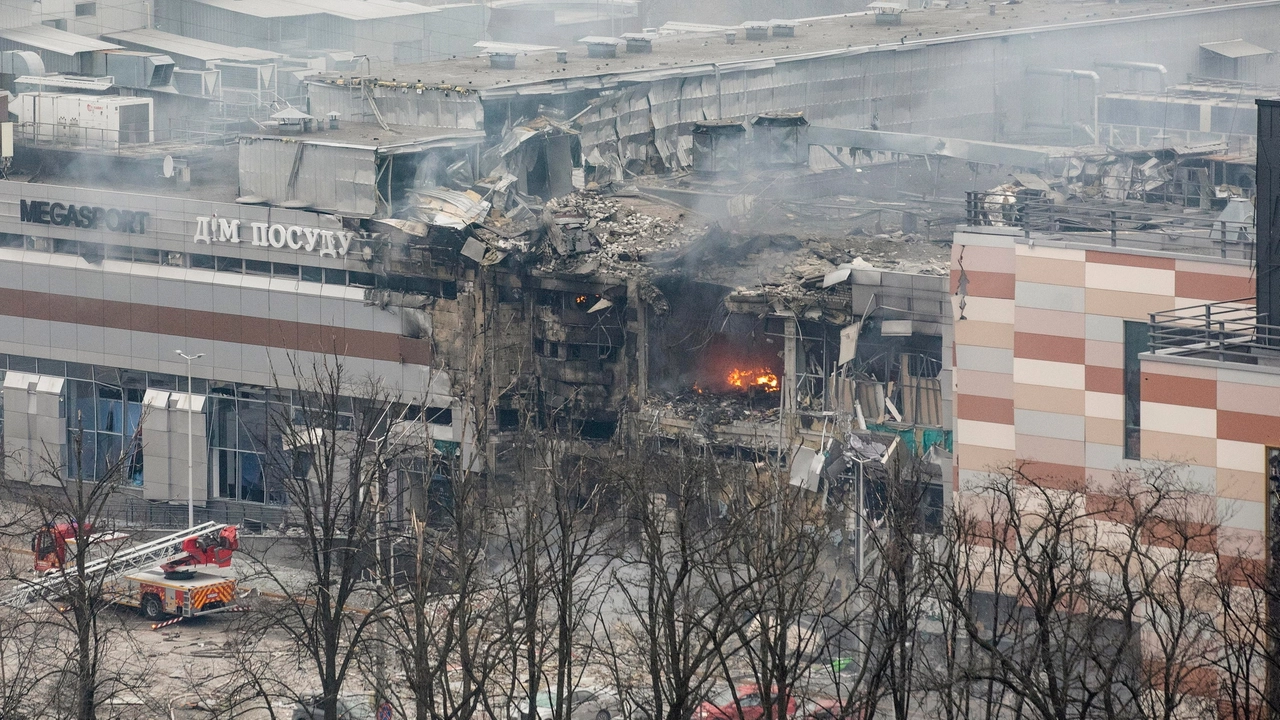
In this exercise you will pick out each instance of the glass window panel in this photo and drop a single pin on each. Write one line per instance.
(252, 425)
(110, 410)
(284, 270)
(146, 255)
(88, 454)
(57, 368)
(80, 370)
(204, 262)
(222, 467)
(257, 267)
(133, 417)
(80, 405)
(312, 274)
(161, 381)
(106, 376)
(22, 364)
(335, 277)
(222, 422)
(135, 464)
(226, 264)
(251, 487)
(361, 279)
(109, 449)
(1136, 341)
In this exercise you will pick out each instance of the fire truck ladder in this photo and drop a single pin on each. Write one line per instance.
(138, 557)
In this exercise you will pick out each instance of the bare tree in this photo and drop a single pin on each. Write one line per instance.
(1161, 564)
(441, 626)
(24, 672)
(90, 657)
(783, 568)
(672, 621)
(1018, 575)
(1243, 661)
(550, 542)
(332, 452)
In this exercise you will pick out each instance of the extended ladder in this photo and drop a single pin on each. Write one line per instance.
(148, 554)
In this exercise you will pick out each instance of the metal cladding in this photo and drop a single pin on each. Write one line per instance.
(602, 50)
(638, 43)
(718, 145)
(1268, 217)
(781, 139)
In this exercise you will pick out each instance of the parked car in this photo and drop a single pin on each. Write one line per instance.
(748, 706)
(584, 705)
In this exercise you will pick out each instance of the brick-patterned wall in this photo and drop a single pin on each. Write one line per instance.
(1039, 361)
(1218, 418)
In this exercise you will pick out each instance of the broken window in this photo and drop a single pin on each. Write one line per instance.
(439, 416)
(508, 419)
(510, 294)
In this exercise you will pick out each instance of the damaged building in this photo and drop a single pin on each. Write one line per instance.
(474, 280)
(735, 236)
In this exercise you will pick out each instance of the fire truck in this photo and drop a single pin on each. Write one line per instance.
(161, 577)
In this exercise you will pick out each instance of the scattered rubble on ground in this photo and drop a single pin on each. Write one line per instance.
(708, 410)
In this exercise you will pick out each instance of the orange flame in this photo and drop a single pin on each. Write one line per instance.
(762, 377)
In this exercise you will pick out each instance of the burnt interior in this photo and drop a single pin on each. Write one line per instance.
(701, 347)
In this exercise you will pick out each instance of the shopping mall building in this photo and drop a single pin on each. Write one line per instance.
(100, 290)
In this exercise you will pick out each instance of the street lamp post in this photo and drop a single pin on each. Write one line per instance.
(191, 401)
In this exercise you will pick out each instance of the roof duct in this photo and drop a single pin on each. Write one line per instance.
(21, 62)
(135, 69)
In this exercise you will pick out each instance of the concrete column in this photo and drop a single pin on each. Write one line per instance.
(789, 348)
(35, 431)
(164, 447)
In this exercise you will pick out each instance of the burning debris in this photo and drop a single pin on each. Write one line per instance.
(759, 379)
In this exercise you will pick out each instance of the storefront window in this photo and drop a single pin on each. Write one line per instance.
(102, 427)
(240, 440)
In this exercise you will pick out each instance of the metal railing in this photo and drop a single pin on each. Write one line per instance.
(152, 515)
(1226, 331)
(1127, 225)
(71, 136)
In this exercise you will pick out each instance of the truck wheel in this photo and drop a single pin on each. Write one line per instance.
(152, 608)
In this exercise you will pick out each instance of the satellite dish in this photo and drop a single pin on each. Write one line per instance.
(168, 166)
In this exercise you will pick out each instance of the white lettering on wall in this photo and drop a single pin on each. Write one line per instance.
(329, 243)
(202, 230)
(259, 233)
(228, 231)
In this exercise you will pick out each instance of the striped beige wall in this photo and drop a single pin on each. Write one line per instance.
(1039, 365)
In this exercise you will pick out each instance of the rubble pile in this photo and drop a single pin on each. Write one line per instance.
(708, 410)
(588, 223)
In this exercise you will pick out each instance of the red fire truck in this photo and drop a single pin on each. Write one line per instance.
(160, 577)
